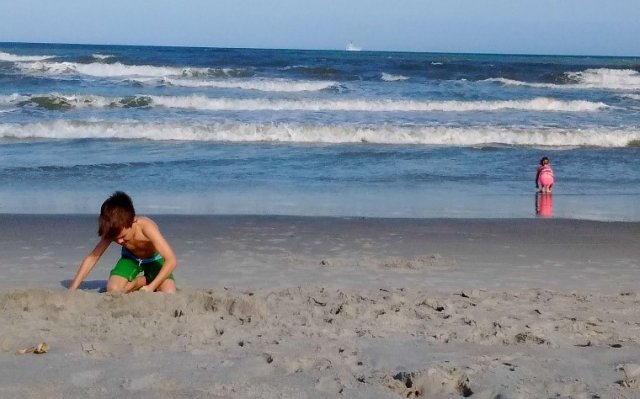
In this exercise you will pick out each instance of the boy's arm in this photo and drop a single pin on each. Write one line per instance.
(152, 232)
(89, 262)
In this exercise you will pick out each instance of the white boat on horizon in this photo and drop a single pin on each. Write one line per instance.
(353, 47)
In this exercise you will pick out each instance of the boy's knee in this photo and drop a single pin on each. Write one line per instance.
(116, 284)
(115, 288)
(168, 286)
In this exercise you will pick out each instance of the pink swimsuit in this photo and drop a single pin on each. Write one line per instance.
(545, 176)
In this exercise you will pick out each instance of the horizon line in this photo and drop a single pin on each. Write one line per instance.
(363, 50)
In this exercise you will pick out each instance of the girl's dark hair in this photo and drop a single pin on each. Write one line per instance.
(116, 213)
(544, 159)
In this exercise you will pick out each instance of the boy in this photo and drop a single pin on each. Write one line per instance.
(144, 249)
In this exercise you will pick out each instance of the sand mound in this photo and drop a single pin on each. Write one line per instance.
(259, 342)
(532, 317)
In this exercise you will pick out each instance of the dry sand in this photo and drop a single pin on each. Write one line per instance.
(284, 307)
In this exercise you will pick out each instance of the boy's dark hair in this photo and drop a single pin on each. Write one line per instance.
(116, 213)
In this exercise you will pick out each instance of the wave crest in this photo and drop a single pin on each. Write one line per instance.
(117, 69)
(219, 78)
(539, 104)
(22, 58)
(602, 78)
(273, 85)
(57, 102)
(299, 133)
(387, 77)
(98, 56)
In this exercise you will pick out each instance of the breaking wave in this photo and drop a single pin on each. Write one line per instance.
(22, 58)
(274, 85)
(59, 101)
(55, 102)
(116, 69)
(227, 78)
(301, 133)
(387, 77)
(120, 70)
(603, 78)
(102, 56)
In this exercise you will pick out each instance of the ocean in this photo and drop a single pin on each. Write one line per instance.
(317, 133)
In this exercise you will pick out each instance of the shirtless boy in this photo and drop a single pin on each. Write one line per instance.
(144, 250)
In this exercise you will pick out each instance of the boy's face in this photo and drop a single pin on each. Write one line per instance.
(125, 236)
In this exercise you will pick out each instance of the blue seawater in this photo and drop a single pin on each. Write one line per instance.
(334, 133)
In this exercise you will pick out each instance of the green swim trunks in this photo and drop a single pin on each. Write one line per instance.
(130, 269)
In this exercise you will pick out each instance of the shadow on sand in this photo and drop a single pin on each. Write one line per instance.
(91, 285)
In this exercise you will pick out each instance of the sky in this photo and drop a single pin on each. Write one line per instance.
(572, 27)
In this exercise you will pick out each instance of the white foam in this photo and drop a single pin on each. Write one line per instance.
(632, 96)
(18, 58)
(295, 133)
(387, 77)
(181, 77)
(603, 78)
(116, 69)
(273, 85)
(214, 104)
(540, 104)
(102, 56)
(511, 82)
(12, 99)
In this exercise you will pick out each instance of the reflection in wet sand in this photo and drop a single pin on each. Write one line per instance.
(544, 205)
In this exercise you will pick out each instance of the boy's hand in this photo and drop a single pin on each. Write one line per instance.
(145, 288)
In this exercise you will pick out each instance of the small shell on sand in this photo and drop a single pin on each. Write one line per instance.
(39, 349)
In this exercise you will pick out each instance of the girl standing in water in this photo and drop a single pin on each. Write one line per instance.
(544, 177)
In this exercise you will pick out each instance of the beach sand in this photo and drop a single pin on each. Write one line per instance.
(293, 307)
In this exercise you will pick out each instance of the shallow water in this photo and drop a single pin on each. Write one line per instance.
(241, 131)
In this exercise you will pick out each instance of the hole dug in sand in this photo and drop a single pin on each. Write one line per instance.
(429, 382)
